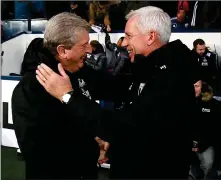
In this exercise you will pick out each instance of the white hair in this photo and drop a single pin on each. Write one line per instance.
(152, 18)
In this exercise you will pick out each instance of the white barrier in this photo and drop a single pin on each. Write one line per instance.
(8, 135)
(14, 49)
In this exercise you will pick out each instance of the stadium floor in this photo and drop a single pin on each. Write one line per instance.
(12, 168)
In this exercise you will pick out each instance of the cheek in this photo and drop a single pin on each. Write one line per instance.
(75, 56)
(140, 47)
(72, 56)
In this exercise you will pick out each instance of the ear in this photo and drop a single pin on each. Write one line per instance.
(151, 37)
(62, 53)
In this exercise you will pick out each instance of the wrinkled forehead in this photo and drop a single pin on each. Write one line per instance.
(82, 37)
(131, 26)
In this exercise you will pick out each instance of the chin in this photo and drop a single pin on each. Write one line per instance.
(80, 65)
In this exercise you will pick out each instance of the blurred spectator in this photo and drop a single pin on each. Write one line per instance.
(117, 16)
(208, 109)
(117, 56)
(96, 47)
(206, 60)
(99, 13)
(180, 22)
(119, 42)
(97, 60)
(183, 5)
(80, 8)
(7, 8)
(29, 9)
(206, 14)
(170, 7)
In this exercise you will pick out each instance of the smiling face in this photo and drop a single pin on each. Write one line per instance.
(136, 41)
(73, 59)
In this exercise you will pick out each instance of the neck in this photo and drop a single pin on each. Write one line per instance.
(154, 47)
(67, 67)
(70, 69)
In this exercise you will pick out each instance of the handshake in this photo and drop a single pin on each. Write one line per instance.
(104, 146)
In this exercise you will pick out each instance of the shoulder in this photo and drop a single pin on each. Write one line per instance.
(210, 54)
(28, 89)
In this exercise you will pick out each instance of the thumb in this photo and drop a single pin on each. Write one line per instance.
(61, 70)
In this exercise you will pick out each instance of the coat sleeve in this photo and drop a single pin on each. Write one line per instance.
(25, 110)
(104, 86)
(108, 44)
(101, 64)
(108, 121)
(123, 61)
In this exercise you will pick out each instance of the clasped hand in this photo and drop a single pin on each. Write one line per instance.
(104, 146)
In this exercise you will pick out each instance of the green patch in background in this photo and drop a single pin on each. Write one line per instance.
(12, 168)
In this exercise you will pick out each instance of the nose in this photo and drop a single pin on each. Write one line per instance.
(125, 42)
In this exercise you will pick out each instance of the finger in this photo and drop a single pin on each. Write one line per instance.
(41, 76)
(105, 160)
(100, 162)
(106, 146)
(61, 70)
(47, 69)
(40, 81)
(43, 72)
(97, 138)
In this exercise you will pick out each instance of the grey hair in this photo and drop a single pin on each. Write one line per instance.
(63, 28)
(152, 18)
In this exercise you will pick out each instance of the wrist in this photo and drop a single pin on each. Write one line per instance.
(65, 98)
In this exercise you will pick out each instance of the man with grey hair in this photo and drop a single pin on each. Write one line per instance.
(56, 142)
(150, 136)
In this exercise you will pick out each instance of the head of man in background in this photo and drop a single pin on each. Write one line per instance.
(181, 15)
(198, 88)
(147, 29)
(120, 41)
(199, 46)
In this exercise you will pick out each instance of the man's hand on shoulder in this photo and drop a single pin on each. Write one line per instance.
(55, 84)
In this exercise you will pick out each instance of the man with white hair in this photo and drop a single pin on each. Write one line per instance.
(150, 136)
